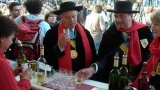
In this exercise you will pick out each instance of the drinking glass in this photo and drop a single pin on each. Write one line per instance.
(33, 64)
(79, 78)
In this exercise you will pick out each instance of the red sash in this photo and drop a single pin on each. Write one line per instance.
(155, 51)
(134, 52)
(65, 61)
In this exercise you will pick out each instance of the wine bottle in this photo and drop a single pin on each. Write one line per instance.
(114, 76)
(124, 73)
(21, 60)
(41, 67)
(143, 81)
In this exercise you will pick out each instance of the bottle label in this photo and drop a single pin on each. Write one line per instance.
(116, 63)
(124, 61)
(41, 51)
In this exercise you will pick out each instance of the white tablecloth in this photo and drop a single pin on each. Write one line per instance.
(104, 86)
(101, 85)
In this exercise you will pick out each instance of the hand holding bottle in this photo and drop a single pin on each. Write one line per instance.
(27, 74)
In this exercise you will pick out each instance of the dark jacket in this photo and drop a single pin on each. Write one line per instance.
(52, 52)
(112, 39)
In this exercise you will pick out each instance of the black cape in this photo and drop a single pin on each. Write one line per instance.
(112, 39)
(52, 52)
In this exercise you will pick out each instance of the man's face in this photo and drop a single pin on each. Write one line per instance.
(69, 18)
(123, 20)
(16, 11)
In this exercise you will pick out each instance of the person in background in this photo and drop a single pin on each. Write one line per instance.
(8, 29)
(96, 25)
(51, 18)
(34, 8)
(85, 9)
(153, 70)
(15, 10)
(105, 16)
(4, 9)
(23, 7)
(68, 45)
(125, 35)
(80, 18)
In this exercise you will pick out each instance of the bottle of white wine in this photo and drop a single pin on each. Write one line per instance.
(124, 73)
(115, 76)
(21, 60)
(41, 67)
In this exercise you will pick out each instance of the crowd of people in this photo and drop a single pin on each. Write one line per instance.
(83, 39)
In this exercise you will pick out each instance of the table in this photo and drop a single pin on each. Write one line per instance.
(35, 86)
(101, 85)
(96, 84)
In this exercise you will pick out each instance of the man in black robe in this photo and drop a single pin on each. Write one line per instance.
(68, 45)
(135, 38)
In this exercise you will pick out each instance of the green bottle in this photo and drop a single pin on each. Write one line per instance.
(21, 60)
(124, 73)
(115, 76)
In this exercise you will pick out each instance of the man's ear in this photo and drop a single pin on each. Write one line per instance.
(1, 39)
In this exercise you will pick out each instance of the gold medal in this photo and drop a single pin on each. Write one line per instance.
(158, 69)
(74, 54)
(153, 73)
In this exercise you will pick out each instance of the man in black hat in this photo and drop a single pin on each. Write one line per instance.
(68, 45)
(125, 36)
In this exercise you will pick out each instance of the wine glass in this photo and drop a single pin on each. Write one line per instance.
(79, 78)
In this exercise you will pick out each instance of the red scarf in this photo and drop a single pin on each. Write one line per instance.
(134, 52)
(65, 61)
(155, 51)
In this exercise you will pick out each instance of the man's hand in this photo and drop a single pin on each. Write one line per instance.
(87, 72)
(63, 39)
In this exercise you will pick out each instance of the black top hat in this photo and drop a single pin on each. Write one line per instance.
(67, 6)
(123, 7)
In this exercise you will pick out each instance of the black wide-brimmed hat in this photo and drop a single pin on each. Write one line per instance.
(123, 7)
(67, 6)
